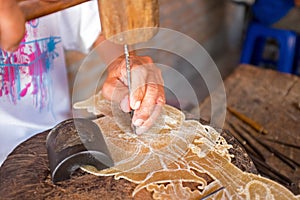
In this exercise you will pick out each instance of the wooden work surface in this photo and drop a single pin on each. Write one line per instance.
(25, 174)
(271, 99)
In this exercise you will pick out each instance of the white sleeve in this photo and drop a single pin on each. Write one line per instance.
(80, 26)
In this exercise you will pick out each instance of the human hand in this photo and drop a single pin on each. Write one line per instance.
(147, 96)
(12, 25)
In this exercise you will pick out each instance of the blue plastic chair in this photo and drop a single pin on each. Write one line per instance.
(255, 42)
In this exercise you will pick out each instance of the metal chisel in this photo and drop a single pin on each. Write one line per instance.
(129, 79)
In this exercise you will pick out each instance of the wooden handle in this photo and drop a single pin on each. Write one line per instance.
(248, 121)
(129, 21)
(37, 8)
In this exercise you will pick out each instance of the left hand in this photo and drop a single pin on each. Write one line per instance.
(147, 96)
(12, 25)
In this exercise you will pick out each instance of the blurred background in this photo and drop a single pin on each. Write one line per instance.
(217, 25)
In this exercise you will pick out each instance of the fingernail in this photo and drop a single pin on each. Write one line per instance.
(136, 105)
(138, 122)
(140, 130)
(124, 105)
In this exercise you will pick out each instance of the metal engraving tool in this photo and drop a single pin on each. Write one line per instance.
(129, 79)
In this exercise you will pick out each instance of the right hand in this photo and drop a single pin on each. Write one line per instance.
(12, 25)
(147, 98)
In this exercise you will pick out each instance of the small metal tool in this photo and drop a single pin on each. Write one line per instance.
(212, 193)
(129, 79)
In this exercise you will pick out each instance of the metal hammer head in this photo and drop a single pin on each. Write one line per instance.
(74, 143)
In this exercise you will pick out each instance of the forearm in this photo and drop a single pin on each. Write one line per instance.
(297, 3)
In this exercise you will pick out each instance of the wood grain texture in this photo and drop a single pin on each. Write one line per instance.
(26, 175)
(129, 21)
(271, 99)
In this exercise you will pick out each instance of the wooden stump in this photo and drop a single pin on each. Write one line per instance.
(25, 175)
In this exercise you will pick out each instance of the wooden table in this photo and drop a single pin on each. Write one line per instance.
(271, 99)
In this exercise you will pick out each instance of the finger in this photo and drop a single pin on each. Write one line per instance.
(143, 71)
(154, 95)
(114, 90)
(139, 76)
(124, 105)
(145, 59)
(150, 121)
(117, 70)
(113, 83)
